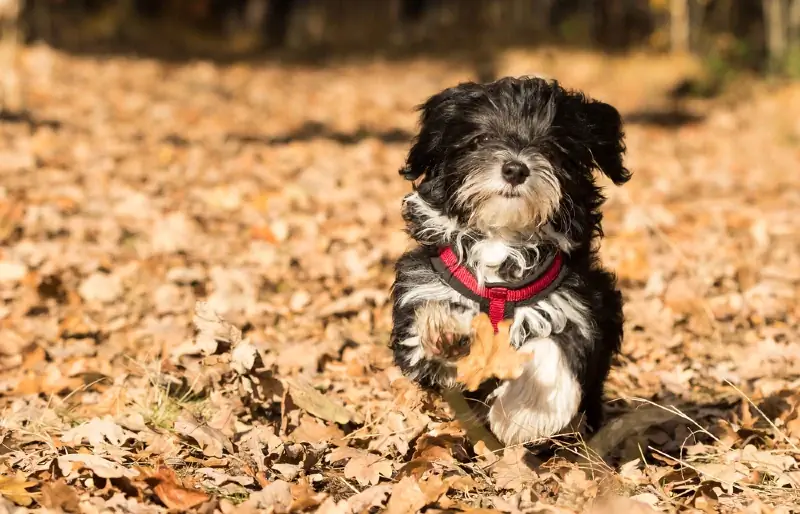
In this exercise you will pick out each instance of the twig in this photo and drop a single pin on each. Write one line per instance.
(475, 431)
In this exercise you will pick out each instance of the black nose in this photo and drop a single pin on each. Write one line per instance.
(515, 172)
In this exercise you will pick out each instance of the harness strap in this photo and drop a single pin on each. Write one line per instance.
(499, 300)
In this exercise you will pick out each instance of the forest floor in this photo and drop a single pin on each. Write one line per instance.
(135, 189)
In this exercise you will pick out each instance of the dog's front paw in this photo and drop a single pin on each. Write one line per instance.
(443, 333)
(447, 346)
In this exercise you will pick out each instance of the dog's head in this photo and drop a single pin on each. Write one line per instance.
(513, 155)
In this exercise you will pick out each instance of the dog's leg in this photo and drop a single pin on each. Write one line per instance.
(429, 339)
(541, 402)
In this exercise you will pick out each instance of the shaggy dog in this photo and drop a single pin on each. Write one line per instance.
(507, 216)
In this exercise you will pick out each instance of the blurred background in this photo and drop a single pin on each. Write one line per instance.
(754, 35)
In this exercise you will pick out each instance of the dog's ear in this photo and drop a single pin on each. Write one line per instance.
(427, 151)
(605, 139)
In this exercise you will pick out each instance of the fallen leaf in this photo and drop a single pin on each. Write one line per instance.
(104, 468)
(220, 478)
(407, 497)
(243, 357)
(172, 494)
(275, 497)
(513, 471)
(213, 329)
(313, 431)
(14, 489)
(367, 468)
(304, 497)
(59, 496)
(97, 431)
(101, 287)
(491, 355)
(369, 498)
(615, 504)
(212, 442)
(316, 403)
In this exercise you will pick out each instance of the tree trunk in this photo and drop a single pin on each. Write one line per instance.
(680, 26)
(794, 24)
(11, 100)
(775, 27)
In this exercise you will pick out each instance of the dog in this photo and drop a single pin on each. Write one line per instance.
(505, 213)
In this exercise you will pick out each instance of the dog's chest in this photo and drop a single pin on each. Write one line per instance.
(488, 257)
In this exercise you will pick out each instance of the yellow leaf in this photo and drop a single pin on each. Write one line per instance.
(14, 489)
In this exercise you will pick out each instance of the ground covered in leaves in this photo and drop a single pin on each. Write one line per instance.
(270, 195)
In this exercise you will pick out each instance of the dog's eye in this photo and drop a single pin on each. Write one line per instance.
(478, 140)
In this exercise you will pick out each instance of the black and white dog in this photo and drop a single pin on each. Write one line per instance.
(507, 217)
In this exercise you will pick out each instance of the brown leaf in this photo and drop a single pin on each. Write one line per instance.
(316, 403)
(313, 431)
(514, 471)
(14, 488)
(172, 494)
(104, 468)
(212, 442)
(275, 497)
(304, 497)
(367, 468)
(59, 496)
(407, 497)
(368, 498)
(491, 355)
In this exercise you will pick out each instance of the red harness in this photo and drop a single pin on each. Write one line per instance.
(499, 300)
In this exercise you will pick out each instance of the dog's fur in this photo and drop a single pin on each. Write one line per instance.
(500, 231)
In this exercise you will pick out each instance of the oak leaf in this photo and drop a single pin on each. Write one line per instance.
(491, 355)
(174, 495)
(368, 469)
(212, 442)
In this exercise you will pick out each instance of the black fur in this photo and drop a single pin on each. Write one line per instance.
(466, 128)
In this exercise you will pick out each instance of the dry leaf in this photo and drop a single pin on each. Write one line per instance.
(513, 471)
(369, 498)
(70, 464)
(96, 432)
(367, 468)
(275, 497)
(15, 488)
(313, 431)
(491, 355)
(59, 496)
(212, 442)
(407, 497)
(172, 494)
(314, 402)
(213, 329)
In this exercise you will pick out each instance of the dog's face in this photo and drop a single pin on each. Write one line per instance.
(511, 156)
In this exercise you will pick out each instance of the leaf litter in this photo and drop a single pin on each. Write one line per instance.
(191, 319)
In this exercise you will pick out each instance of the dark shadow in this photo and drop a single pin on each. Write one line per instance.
(667, 118)
(26, 118)
(469, 35)
(311, 131)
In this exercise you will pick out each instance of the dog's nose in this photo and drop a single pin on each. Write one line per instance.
(515, 172)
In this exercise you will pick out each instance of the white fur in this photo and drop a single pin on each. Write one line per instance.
(550, 316)
(491, 212)
(426, 286)
(541, 402)
(436, 226)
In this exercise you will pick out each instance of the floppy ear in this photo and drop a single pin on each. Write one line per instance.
(427, 152)
(606, 139)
